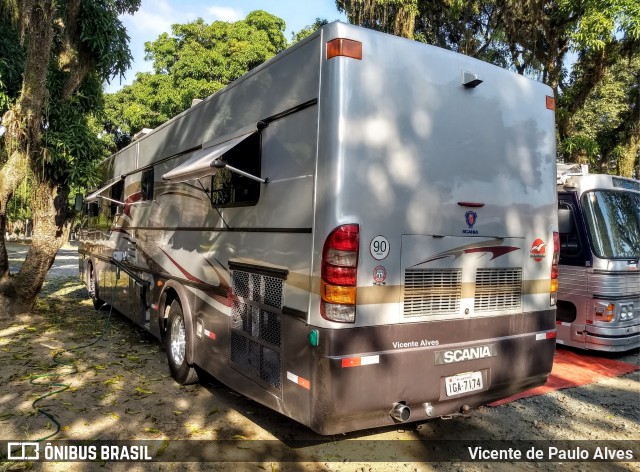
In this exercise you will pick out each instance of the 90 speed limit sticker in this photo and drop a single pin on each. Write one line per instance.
(379, 248)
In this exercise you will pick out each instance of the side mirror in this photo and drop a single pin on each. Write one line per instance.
(565, 222)
(78, 203)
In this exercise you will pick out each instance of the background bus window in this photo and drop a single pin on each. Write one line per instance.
(574, 246)
(569, 240)
(614, 223)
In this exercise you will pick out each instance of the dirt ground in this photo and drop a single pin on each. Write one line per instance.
(119, 388)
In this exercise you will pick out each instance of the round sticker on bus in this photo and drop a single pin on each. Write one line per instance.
(538, 250)
(379, 275)
(379, 248)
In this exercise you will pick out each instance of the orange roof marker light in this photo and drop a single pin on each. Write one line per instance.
(551, 103)
(344, 47)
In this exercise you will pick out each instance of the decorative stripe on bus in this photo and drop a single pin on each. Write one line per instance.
(299, 380)
(223, 230)
(181, 194)
(190, 277)
(474, 248)
(373, 295)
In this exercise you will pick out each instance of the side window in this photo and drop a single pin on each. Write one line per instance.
(103, 214)
(117, 193)
(569, 240)
(574, 247)
(232, 189)
(93, 209)
(146, 184)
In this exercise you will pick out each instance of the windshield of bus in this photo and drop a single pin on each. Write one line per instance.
(614, 223)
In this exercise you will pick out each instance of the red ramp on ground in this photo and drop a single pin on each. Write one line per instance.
(572, 369)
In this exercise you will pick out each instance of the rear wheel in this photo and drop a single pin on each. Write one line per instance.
(177, 344)
(92, 289)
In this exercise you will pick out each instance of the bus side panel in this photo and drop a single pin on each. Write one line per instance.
(286, 81)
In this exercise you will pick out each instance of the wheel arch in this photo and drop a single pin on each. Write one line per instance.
(172, 291)
(566, 311)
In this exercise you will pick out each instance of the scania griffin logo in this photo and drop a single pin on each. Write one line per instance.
(471, 217)
(465, 354)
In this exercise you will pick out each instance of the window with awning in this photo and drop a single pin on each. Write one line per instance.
(233, 166)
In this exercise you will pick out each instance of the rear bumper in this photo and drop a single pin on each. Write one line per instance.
(362, 372)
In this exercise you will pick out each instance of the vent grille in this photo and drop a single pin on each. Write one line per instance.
(256, 327)
(498, 289)
(432, 291)
(257, 288)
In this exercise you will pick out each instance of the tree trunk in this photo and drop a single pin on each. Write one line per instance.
(49, 207)
(22, 140)
(629, 156)
(11, 175)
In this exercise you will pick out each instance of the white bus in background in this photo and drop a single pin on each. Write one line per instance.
(599, 281)
(359, 232)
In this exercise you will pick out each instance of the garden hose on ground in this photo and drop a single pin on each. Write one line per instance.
(70, 364)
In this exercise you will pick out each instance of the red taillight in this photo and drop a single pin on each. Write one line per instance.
(554, 268)
(343, 238)
(339, 274)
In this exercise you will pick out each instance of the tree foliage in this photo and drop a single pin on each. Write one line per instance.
(62, 51)
(599, 116)
(308, 30)
(542, 39)
(196, 60)
(391, 16)
(11, 61)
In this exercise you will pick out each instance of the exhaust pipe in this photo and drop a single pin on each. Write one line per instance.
(400, 412)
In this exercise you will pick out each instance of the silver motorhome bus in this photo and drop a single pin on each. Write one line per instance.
(599, 282)
(357, 233)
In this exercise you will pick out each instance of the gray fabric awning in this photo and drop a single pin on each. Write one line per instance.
(200, 164)
(95, 195)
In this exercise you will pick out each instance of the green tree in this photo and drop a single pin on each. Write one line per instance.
(11, 61)
(397, 17)
(308, 30)
(69, 48)
(538, 38)
(599, 113)
(196, 60)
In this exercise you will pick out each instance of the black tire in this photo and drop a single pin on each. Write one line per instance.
(177, 345)
(92, 289)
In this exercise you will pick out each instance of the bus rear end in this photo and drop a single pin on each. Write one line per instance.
(435, 236)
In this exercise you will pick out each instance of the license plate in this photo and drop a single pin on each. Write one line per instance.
(463, 383)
